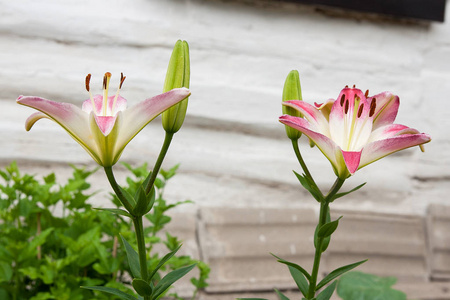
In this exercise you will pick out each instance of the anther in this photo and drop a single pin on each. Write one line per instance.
(354, 86)
(360, 110)
(122, 79)
(88, 80)
(346, 86)
(373, 106)
(342, 100)
(346, 106)
(367, 93)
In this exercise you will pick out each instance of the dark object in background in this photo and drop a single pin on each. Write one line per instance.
(430, 10)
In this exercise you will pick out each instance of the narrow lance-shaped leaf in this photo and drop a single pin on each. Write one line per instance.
(336, 273)
(163, 261)
(116, 211)
(133, 259)
(288, 263)
(112, 291)
(141, 287)
(281, 295)
(300, 280)
(339, 195)
(309, 186)
(169, 279)
(327, 292)
(326, 240)
(327, 229)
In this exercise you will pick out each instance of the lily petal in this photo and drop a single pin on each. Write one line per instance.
(381, 148)
(67, 115)
(136, 117)
(386, 109)
(352, 159)
(316, 119)
(325, 144)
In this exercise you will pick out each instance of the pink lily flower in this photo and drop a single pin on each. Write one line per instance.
(354, 130)
(103, 126)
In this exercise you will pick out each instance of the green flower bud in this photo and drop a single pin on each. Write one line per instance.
(178, 74)
(292, 91)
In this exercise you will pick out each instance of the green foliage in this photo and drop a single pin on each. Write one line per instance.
(53, 242)
(363, 286)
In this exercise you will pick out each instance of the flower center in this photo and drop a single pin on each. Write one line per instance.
(357, 120)
(106, 108)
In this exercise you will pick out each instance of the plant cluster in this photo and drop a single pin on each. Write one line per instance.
(53, 241)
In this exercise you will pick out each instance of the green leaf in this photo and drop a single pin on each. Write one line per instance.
(169, 174)
(169, 279)
(327, 292)
(288, 263)
(309, 186)
(142, 287)
(133, 259)
(163, 261)
(326, 241)
(300, 280)
(109, 290)
(339, 271)
(6, 271)
(360, 286)
(116, 211)
(327, 229)
(127, 196)
(339, 195)
(142, 203)
(281, 295)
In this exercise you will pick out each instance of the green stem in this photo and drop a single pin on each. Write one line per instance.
(139, 228)
(334, 189)
(324, 206)
(165, 147)
(116, 188)
(302, 163)
(318, 253)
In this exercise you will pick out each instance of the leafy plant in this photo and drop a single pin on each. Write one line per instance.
(52, 241)
(363, 286)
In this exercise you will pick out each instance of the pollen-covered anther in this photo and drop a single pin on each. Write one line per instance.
(366, 94)
(342, 100)
(122, 79)
(360, 110)
(354, 86)
(373, 106)
(88, 80)
(346, 107)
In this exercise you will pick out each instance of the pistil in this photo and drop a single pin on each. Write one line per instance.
(106, 80)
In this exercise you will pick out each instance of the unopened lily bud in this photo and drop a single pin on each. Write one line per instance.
(178, 74)
(292, 91)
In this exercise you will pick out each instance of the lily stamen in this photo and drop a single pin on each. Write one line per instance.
(88, 80)
(122, 79)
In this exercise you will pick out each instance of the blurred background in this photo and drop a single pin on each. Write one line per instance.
(236, 162)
